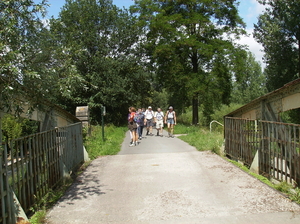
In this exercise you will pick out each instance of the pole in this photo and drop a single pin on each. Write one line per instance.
(103, 114)
(102, 127)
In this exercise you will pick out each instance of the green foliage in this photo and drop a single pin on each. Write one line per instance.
(277, 31)
(200, 138)
(217, 115)
(251, 82)
(40, 208)
(11, 128)
(283, 187)
(185, 129)
(19, 28)
(185, 42)
(291, 116)
(295, 195)
(38, 217)
(114, 137)
(186, 117)
(107, 62)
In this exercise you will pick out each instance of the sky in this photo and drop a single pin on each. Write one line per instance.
(249, 10)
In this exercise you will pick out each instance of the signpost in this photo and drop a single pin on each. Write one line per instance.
(103, 109)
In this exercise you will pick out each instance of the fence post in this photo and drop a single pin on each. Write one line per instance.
(103, 114)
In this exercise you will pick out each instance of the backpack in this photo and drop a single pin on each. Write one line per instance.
(131, 117)
(172, 115)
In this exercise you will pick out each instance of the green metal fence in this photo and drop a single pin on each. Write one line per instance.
(33, 165)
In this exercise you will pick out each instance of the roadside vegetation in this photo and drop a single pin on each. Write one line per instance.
(201, 138)
(113, 138)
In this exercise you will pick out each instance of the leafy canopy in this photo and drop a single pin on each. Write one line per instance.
(278, 31)
(189, 43)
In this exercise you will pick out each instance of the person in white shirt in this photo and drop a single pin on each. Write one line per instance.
(149, 115)
(159, 119)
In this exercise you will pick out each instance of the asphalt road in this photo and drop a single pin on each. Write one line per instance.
(165, 180)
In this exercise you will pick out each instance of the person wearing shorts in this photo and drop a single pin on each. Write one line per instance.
(170, 120)
(159, 119)
(149, 115)
(132, 126)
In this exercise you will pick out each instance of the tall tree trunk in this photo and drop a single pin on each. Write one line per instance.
(195, 109)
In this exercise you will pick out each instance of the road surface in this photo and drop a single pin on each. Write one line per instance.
(165, 180)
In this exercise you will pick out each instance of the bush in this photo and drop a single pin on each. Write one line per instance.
(186, 118)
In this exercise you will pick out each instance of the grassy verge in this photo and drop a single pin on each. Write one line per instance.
(40, 209)
(95, 147)
(201, 138)
(113, 136)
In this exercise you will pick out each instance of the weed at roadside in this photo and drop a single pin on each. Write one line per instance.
(201, 138)
(113, 136)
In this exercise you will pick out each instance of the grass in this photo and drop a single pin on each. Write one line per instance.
(95, 147)
(40, 209)
(113, 137)
(201, 138)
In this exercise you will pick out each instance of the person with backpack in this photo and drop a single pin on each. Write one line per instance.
(139, 117)
(170, 120)
(159, 120)
(132, 126)
(149, 115)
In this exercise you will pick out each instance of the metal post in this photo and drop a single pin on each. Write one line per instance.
(103, 114)
(102, 127)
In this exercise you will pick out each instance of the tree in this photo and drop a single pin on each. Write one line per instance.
(19, 27)
(279, 32)
(102, 42)
(252, 83)
(187, 44)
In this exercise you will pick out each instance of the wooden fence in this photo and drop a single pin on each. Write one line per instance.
(33, 165)
(277, 145)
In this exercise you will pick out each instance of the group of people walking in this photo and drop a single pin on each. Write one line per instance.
(138, 119)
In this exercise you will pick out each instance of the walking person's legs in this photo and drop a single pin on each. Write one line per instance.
(169, 129)
(161, 128)
(142, 128)
(149, 127)
(130, 137)
(134, 137)
(172, 130)
(139, 131)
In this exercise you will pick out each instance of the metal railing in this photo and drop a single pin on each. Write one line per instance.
(277, 145)
(36, 164)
